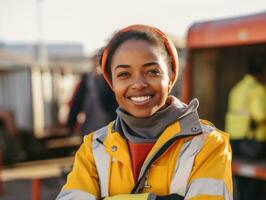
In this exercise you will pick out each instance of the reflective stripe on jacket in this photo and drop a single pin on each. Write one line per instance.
(197, 165)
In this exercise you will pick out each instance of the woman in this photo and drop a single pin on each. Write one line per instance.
(157, 148)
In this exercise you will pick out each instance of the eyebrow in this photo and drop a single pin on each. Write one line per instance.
(150, 64)
(144, 65)
(122, 66)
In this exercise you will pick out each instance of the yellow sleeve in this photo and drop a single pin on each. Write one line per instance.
(211, 177)
(257, 104)
(84, 174)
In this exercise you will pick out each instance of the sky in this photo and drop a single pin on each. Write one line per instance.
(92, 22)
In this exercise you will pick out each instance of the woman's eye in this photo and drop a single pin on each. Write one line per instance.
(122, 74)
(154, 72)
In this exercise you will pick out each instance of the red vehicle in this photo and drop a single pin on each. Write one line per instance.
(218, 53)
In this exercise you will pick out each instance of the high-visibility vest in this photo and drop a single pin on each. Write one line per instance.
(247, 102)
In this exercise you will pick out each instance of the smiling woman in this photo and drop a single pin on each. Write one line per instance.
(157, 148)
(141, 85)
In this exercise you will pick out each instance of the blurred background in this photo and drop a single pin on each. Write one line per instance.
(50, 81)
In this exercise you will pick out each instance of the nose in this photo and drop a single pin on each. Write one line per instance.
(139, 82)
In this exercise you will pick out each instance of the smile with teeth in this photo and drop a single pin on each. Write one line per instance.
(140, 99)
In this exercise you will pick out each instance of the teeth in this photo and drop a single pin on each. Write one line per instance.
(139, 99)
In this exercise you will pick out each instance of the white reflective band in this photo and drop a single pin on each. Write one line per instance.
(75, 194)
(208, 186)
(185, 163)
(207, 128)
(102, 160)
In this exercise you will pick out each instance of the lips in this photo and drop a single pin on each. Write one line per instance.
(140, 100)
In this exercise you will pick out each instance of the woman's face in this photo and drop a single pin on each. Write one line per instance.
(140, 78)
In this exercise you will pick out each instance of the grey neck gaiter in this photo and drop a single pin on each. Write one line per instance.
(147, 130)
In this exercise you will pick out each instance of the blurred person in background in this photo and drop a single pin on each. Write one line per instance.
(246, 124)
(157, 148)
(10, 147)
(93, 104)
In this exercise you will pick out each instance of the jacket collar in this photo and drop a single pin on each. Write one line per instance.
(188, 124)
(176, 111)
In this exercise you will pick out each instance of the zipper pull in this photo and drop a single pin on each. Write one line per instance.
(146, 185)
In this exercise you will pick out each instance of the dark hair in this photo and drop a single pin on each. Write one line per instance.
(146, 35)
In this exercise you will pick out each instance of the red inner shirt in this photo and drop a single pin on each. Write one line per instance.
(139, 152)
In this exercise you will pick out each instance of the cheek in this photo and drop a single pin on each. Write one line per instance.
(119, 92)
(165, 85)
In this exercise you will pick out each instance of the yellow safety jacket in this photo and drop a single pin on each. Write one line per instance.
(194, 161)
(247, 101)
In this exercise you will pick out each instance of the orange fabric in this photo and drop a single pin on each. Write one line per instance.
(139, 152)
(168, 44)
